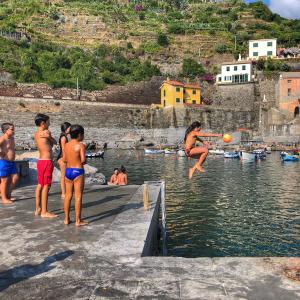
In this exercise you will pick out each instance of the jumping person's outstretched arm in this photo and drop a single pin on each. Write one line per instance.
(204, 134)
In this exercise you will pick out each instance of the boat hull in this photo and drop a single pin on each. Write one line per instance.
(153, 151)
(231, 155)
(248, 156)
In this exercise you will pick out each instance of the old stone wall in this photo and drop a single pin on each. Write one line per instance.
(238, 96)
(219, 119)
(118, 124)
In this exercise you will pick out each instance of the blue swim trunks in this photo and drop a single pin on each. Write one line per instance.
(7, 168)
(73, 173)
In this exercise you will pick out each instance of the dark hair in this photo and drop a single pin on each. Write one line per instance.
(64, 126)
(194, 125)
(122, 169)
(6, 126)
(75, 131)
(39, 118)
(116, 169)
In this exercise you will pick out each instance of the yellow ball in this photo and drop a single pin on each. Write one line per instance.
(227, 138)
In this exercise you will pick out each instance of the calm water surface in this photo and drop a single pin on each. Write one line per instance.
(235, 209)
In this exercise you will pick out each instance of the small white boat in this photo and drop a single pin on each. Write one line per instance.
(216, 151)
(181, 153)
(153, 151)
(259, 151)
(269, 150)
(248, 156)
(233, 154)
(170, 151)
(98, 154)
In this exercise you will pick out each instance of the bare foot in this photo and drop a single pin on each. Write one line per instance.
(201, 169)
(7, 201)
(191, 172)
(81, 223)
(48, 215)
(66, 221)
(37, 212)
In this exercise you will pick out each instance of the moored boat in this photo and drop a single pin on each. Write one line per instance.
(153, 151)
(90, 154)
(289, 157)
(216, 151)
(181, 153)
(248, 156)
(170, 151)
(233, 154)
(260, 154)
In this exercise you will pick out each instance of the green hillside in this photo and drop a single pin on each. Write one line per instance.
(116, 42)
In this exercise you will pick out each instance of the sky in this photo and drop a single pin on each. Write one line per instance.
(286, 8)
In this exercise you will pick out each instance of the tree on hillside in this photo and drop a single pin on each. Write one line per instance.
(162, 39)
(191, 68)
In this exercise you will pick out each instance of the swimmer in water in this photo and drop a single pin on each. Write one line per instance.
(192, 135)
(122, 176)
(74, 157)
(114, 177)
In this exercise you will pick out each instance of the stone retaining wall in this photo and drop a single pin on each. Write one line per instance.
(116, 124)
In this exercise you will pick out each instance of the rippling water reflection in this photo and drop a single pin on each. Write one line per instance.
(235, 209)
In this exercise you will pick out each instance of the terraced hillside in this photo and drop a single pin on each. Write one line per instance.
(135, 34)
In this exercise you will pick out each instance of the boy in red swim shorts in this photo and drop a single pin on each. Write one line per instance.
(44, 142)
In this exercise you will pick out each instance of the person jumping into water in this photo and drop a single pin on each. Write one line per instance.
(192, 135)
(74, 157)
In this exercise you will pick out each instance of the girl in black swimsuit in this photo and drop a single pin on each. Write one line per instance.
(63, 139)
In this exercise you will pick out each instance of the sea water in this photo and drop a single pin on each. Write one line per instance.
(235, 209)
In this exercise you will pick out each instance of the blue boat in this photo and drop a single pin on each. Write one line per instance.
(231, 155)
(289, 157)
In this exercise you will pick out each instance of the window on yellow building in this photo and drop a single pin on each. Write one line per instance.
(164, 93)
(194, 92)
(178, 89)
(184, 101)
(177, 100)
(194, 101)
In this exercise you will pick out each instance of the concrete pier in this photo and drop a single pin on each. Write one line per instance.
(108, 259)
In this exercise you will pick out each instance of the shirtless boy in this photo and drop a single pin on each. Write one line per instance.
(192, 135)
(8, 169)
(74, 157)
(44, 142)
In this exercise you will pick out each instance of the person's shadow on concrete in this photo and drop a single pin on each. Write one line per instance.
(23, 272)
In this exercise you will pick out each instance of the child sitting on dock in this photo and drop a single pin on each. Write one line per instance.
(122, 176)
(44, 142)
(74, 157)
(8, 169)
(114, 177)
(192, 135)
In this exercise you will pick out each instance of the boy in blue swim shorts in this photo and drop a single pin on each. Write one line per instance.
(74, 157)
(8, 169)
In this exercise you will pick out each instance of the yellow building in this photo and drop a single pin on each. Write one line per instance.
(175, 93)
